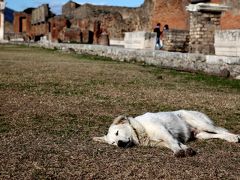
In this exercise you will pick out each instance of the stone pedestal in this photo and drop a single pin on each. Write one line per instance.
(2, 7)
(204, 20)
(227, 42)
(140, 40)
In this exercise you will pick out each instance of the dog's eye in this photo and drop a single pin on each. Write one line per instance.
(117, 133)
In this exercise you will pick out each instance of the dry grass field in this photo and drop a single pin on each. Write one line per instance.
(53, 103)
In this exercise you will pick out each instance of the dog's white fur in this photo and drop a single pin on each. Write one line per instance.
(169, 129)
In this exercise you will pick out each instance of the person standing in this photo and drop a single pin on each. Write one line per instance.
(165, 28)
(157, 30)
(164, 32)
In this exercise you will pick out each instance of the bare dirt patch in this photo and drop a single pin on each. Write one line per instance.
(52, 104)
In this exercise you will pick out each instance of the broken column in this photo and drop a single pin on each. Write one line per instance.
(204, 20)
(2, 7)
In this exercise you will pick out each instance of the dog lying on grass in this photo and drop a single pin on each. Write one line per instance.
(168, 129)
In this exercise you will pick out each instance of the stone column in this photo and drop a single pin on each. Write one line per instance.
(2, 7)
(204, 20)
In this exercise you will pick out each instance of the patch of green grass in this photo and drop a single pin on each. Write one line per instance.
(93, 58)
(213, 80)
(105, 118)
(186, 77)
(40, 174)
(64, 125)
(232, 121)
(46, 49)
(9, 47)
(43, 88)
(5, 127)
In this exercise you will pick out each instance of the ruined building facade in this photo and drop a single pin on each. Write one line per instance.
(117, 20)
(86, 23)
(33, 23)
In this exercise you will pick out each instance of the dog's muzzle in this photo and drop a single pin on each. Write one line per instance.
(123, 144)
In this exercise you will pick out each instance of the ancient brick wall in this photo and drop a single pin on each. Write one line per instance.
(176, 40)
(171, 12)
(8, 27)
(114, 20)
(34, 23)
(57, 24)
(69, 8)
(231, 18)
(230, 21)
(40, 29)
(72, 35)
(22, 23)
(86, 26)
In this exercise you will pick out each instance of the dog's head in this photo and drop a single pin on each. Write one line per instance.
(120, 133)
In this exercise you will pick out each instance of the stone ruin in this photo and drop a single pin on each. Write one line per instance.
(190, 30)
(197, 30)
(80, 23)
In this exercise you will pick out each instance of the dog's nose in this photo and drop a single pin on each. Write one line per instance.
(122, 144)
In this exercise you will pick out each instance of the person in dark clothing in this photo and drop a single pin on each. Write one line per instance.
(165, 28)
(157, 29)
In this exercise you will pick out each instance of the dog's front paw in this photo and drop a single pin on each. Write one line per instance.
(180, 153)
(190, 152)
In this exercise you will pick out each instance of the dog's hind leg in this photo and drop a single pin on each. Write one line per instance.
(213, 132)
(204, 128)
(225, 136)
(179, 149)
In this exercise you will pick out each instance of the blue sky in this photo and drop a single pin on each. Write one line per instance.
(20, 5)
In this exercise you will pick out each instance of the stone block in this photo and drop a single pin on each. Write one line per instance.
(140, 40)
(210, 7)
(227, 42)
(116, 42)
(218, 60)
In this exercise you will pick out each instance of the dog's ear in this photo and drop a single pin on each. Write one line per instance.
(102, 139)
(119, 120)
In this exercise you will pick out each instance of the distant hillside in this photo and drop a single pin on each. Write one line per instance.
(8, 13)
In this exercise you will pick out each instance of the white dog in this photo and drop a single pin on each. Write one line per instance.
(169, 129)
